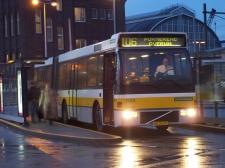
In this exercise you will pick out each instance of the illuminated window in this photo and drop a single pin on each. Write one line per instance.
(95, 41)
(82, 73)
(80, 43)
(92, 71)
(60, 38)
(59, 5)
(79, 14)
(7, 58)
(38, 21)
(49, 30)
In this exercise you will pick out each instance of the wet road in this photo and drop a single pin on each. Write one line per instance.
(179, 147)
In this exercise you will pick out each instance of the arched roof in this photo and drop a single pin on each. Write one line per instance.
(149, 21)
(146, 25)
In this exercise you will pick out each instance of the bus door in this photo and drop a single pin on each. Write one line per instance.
(73, 90)
(109, 60)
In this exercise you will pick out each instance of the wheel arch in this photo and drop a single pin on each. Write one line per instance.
(96, 102)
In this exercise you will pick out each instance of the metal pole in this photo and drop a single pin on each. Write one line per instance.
(45, 36)
(114, 15)
(205, 27)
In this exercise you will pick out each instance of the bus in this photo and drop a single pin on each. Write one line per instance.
(117, 82)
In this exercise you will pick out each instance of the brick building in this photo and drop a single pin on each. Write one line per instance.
(71, 24)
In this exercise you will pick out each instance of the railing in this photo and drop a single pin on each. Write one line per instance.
(212, 112)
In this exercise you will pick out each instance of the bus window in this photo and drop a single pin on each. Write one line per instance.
(49, 75)
(61, 76)
(100, 70)
(82, 73)
(92, 71)
(136, 65)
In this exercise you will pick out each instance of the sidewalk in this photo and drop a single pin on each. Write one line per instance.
(62, 132)
(204, 127)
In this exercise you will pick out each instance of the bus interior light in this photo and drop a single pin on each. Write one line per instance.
(129, 114)
(145, 55)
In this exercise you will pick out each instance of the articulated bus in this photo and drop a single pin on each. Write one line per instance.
(116, 82)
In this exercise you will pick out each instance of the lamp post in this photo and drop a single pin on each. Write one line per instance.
(114, 15)
(53, 3)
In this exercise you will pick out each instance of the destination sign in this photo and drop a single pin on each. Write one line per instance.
(150, 40)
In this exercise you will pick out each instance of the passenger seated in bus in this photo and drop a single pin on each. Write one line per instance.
(145, 75)
(164, 69)
(92, 81)
(131, 78)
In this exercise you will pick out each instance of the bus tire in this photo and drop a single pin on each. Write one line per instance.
(97, 118)
(64, 112)
(162, 128)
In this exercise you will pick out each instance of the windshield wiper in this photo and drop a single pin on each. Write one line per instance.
(173, 82)
(154, 85)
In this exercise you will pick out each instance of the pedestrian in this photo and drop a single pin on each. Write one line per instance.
(32, 102)
(48, 102)
(39, 110)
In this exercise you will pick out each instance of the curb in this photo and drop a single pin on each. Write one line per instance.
(205, 127)
(59, 137)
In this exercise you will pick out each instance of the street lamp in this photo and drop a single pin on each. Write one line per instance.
(114, 15)
(53, 3)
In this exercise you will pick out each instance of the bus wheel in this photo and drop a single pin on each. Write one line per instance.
(98, 118)
(162, 128)
(65, 113)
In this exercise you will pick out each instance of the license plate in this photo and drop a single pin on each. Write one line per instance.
(160, 123)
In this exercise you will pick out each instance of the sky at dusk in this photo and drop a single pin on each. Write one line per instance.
(133, 7)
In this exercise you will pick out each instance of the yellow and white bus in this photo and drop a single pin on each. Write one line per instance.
(116, 82)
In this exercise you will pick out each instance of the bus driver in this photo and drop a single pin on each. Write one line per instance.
(164, 68)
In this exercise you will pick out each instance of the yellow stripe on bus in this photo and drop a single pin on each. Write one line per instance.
(156, 102)
(81, 101)
(134, 103)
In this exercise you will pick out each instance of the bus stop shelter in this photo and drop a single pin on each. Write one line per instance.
(14, 88)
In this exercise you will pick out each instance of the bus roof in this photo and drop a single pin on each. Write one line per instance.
(49, 61)
(107, 45)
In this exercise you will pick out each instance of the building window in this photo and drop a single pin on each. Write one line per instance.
(80, 43)
(49, 30)
(79, 14)
(102, 14)
(59, 5)
(13, 57)
(7, 58)
(94, 13)
(6, 25)
(38, 21)
(12, 21)
(19, 54)
(110, 14)
(18, 23)
(60, 38)
(95, 41)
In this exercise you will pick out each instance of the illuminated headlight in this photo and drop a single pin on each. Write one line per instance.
(129, 114)
(188, 112)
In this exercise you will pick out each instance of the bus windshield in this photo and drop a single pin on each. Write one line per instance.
(158, 67)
